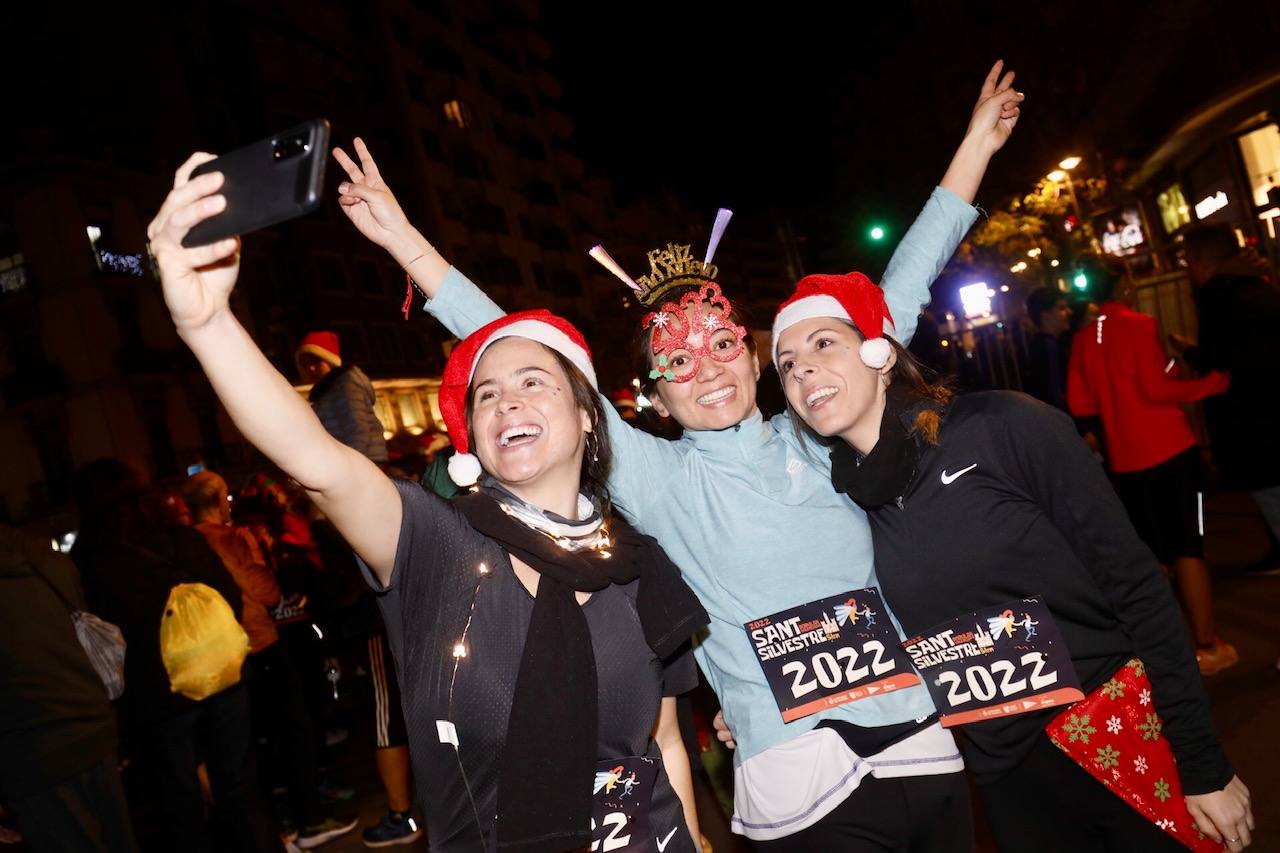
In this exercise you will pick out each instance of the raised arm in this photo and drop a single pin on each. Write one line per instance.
(947, 216)
(371, 206)
(197, 285)
(462, 307)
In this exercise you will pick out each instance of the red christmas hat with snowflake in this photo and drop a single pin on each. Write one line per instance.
(322, 345)
(852, 297)
(542, 326)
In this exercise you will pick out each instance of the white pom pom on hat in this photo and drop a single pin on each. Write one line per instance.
(464, 469)
(852, 297)
(541, 326)
(875, 352)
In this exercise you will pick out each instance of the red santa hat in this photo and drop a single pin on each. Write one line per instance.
(852, 297)
(322, 345)
(541, 326)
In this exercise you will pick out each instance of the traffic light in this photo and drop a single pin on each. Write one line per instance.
(876, 233)
(1081, 281)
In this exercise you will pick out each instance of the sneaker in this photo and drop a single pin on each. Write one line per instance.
(1216, 658)
(392, 829)
(327, 830)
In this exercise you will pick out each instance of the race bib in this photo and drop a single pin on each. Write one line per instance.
(830, 652)
(620, 805)
(1007, 659)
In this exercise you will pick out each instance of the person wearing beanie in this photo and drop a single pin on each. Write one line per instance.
(341, 395)
(535, 723)
(989, 501)
(751, 517)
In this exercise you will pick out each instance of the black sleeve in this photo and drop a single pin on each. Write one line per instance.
(679, 672)
(435, 545)
(1056, 468)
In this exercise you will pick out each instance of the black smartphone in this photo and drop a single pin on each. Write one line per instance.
(273, 180)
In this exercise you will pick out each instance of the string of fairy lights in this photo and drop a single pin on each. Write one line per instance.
(446, 728)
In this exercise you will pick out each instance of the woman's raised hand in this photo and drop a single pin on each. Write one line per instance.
(368, 202)
(196, 282)
(997, 110)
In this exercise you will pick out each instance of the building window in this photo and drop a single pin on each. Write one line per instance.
(486, 217)
(554, 237)
(456, 113)
(567, 284)
(13, 273)
(417, 89)
(1261, 150)
(518, 104)
(541, 192)
(431, 144)
(532, 148)
(1174, 210)
(13, 270)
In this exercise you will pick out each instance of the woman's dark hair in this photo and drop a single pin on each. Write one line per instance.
(597, 461)
(642, 343)
(907, 374)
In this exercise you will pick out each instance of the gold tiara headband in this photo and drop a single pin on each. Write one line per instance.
(670, 267)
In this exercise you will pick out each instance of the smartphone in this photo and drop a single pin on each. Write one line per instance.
(273, 180)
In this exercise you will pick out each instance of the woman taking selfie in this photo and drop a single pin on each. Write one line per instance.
(537, 637)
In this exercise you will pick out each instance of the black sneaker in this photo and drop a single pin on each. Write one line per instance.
(327, 830)
(392, 829)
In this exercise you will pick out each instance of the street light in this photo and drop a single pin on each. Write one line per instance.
(1057, 176)
(1069, 163)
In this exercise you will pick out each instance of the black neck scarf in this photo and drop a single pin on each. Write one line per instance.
(883, 475)
(552, 734)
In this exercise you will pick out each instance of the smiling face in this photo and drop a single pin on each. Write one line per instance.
(525, 426)
(704, 393)
(827, 384)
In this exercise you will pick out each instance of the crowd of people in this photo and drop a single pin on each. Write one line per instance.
(534, 603)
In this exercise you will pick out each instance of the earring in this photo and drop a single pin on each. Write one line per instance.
(595, 446)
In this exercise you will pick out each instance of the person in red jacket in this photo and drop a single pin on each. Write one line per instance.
(1120, 373)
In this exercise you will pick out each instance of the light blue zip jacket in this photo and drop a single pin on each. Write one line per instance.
(750, 517)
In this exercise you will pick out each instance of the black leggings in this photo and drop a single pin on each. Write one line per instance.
(908, 814)
(1049, 804)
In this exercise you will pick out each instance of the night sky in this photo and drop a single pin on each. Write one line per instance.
(838, 115)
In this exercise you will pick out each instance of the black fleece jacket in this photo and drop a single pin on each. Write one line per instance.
(1031, 514)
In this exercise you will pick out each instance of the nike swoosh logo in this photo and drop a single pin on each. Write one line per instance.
(948, 479)
(662, 845)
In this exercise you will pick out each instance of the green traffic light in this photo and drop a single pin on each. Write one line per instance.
(1081, 281)
(877, 233)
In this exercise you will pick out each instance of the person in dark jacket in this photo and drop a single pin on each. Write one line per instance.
(1239, 313)
(989, 498)
(129, 560)
(342, 396)
(57, 730)
(1048, 347)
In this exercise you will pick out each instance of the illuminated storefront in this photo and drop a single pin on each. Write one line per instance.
(1220, 166)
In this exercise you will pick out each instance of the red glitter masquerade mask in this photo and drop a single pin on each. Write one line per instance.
(706, 312)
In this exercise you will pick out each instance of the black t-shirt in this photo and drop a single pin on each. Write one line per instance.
(437, 594)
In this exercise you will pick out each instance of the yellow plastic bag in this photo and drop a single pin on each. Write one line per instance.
(201, 643)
